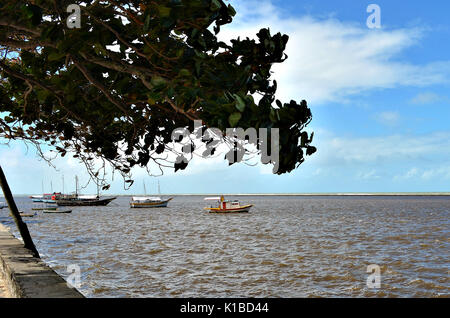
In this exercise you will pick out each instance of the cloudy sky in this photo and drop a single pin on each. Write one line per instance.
(380, 100)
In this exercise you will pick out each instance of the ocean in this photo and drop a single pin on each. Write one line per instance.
(287, 246)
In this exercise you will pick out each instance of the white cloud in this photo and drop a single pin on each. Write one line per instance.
(338, 151)
(439, 172)
(427, 98)
(388, 118)
(331, 60)
(372, 174)
(426, 174)
(411, 173)
(11, 157)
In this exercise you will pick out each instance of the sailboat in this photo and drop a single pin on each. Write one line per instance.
(149, 202)
(82, 200)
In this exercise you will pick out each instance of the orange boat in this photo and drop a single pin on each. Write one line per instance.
(227, 206)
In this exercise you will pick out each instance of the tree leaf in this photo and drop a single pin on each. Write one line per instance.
(164, 12)
(54, 56)
(240, 103)
(158, 81)
(234, 118)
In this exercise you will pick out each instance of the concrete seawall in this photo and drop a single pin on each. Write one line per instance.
(25, 276)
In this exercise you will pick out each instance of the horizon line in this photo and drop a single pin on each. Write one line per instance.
(282, 194)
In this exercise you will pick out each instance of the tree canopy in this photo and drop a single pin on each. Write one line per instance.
(68, 87)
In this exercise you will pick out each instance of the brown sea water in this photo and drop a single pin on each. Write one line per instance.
(287, 246)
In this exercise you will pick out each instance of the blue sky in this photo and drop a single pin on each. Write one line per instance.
(380, 100)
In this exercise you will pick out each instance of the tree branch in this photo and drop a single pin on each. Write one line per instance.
(97, 84)
(11, 23)
(37, 83)
(24, 45)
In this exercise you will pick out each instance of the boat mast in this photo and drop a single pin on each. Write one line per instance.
(145, 190)
(63, 183)
(159, 189)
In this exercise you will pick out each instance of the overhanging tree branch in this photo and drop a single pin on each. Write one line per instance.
(169, 71)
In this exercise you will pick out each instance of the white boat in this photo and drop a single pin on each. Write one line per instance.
(37, 198)
(149, 202)
(227, 206)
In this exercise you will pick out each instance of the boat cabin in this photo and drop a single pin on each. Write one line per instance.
(147, 199)
(224, 204)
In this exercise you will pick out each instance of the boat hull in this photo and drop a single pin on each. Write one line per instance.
(242, 209)
(48, 201)
(27, 215)
(56, 211)
(100, 202)
(157, 204)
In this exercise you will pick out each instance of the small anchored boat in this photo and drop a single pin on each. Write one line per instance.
(149, 202)
(56, 211)
(27, 215)
(227, 206)
(44, 206)
(37, 198)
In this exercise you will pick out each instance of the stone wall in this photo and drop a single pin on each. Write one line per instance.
(26, 276)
